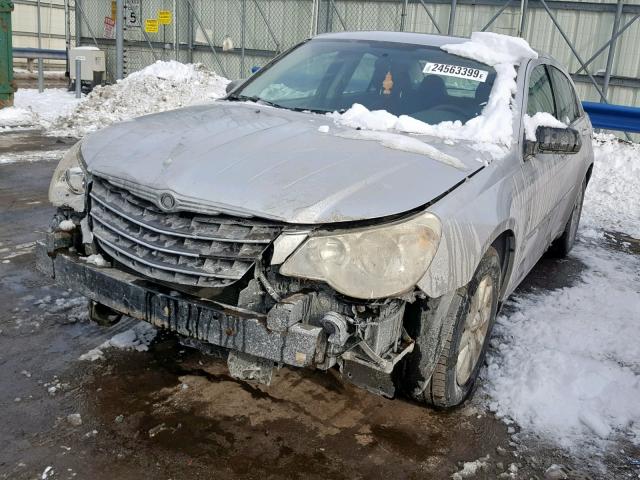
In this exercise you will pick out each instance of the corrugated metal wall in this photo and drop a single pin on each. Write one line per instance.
(24, 25)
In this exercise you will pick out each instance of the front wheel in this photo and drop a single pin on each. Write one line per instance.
(467, 338)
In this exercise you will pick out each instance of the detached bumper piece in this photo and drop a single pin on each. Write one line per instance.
(234, 328)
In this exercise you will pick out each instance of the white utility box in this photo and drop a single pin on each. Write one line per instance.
(92, 64)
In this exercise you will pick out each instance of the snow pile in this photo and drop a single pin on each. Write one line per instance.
(566, 364)
(34, 109)
(359, 116)
(540, 119)
(612, 200)
(158, 87)
(503, 53)
(137, 338)
(11, 117)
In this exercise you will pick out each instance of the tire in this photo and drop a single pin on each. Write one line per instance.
(451, 382)
(564, 243)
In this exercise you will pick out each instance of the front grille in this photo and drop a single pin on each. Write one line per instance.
(184, 248)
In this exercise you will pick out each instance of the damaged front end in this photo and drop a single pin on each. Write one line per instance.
(265, 292)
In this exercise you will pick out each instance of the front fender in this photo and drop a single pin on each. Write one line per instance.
(472, 217)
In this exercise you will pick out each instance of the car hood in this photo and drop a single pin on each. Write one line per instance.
(253, 160)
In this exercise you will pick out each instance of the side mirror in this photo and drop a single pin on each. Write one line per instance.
(232, 85)
(554, 140)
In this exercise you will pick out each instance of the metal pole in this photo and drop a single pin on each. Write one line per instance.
(67, 36)
(612, 49)
(603, 47)
(243, 18)
(403, 15)
(78, 78)
(452, 17)
(190, 31)
(498, 13)
(40, 60)
(524, 5)
(119, 40)
(573, 49)
(314, 18)
(77, 14)
(433, 20)
(175, 31)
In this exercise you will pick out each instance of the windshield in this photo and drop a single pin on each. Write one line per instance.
(404, 79)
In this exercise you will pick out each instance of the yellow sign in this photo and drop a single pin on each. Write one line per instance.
(114, 9)
(164, 17)
(151, 25)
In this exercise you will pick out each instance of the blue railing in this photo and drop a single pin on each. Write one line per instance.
(613, 117)
(40, 53)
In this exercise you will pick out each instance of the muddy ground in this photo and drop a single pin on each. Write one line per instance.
(174, 413)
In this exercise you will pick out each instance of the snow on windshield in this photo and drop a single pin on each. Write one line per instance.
(493, 125)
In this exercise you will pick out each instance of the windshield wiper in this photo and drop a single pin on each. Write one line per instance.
(306, 109)
(254, 99)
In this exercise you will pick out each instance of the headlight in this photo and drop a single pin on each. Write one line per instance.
(370, 262)
(68, 183)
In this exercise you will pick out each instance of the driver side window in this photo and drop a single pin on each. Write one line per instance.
(540, 97)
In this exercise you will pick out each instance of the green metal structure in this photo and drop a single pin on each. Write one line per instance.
(6, 55)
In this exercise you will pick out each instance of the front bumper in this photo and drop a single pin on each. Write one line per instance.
(234, 328)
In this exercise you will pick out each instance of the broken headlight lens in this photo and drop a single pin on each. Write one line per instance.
(370, 262)
(67, 186)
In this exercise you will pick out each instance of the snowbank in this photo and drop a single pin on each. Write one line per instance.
(137, 338)
(156, 88)
(566, 364)
(612, 200)
(493, 125)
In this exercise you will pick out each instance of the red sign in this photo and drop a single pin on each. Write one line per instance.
(109, 24)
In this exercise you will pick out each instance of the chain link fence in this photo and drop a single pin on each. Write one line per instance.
(232, 37)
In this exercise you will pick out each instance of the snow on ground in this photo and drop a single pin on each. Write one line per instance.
(565, 364)
(612, 201)
(137, 338)
(34, 156)
(156, 88)
(34, 109)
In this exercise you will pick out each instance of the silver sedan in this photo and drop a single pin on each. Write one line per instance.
(364, 202)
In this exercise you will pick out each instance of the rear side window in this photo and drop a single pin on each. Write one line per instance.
(566, 100)
(540, 92)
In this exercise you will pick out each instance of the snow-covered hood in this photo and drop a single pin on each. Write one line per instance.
(272, 163)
